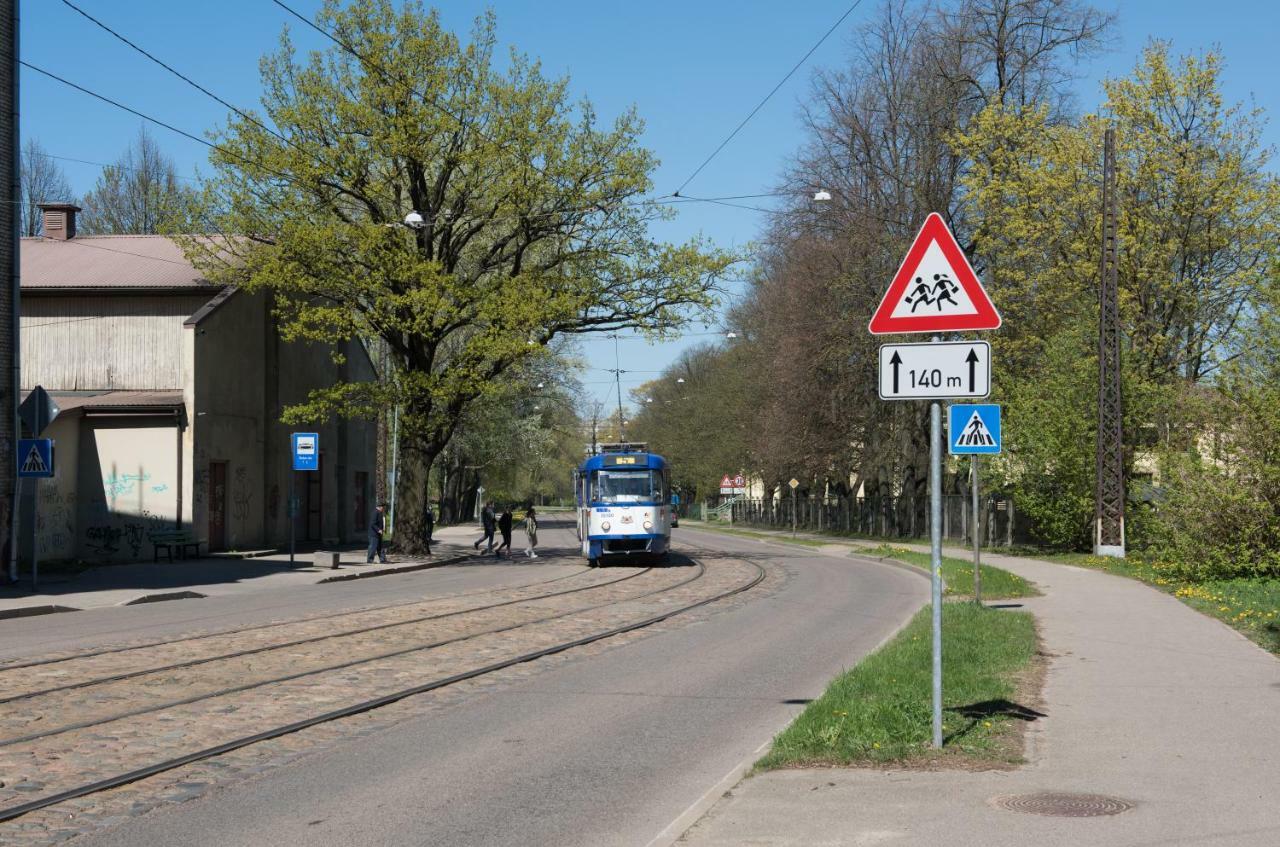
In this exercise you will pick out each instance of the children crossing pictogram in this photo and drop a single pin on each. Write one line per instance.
(935, 289)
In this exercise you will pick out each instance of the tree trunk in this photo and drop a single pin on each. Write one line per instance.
(412, 473)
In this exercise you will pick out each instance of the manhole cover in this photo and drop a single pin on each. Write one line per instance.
(1056, 804)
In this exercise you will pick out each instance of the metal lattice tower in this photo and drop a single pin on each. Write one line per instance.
(1108, 539)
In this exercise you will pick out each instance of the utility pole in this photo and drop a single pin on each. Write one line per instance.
(617, 378)
(10, 309)
(1108, 538)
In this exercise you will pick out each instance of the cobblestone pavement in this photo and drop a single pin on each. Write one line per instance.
(189, 709)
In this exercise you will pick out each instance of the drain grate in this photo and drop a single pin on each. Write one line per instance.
(1060, 805)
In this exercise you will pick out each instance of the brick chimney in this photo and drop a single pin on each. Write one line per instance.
(59, 220)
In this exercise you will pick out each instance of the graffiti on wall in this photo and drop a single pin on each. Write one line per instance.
(118, 485)
(241, 496)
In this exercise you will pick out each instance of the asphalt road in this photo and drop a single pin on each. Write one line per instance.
(606, 749)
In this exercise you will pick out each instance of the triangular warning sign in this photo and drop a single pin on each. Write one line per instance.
(935, 289)
(975, 433)
(34, 463)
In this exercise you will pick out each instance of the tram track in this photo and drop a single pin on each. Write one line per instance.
(391, 654)
(131, 775)
(5, 667)
(301, 641)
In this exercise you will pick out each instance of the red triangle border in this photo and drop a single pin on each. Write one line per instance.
(934, 229)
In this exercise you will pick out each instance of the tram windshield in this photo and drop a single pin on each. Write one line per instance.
(632, 486)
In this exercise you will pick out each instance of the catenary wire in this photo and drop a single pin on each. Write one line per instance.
(766, 99)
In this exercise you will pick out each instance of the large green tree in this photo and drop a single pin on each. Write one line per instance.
(1199, 228)
(532, 223)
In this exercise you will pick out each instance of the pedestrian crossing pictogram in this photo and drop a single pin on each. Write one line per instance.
(973, 428)
(35, 457)
(34, 463)
(975, 434)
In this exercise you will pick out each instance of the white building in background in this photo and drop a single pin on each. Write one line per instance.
(171, 390)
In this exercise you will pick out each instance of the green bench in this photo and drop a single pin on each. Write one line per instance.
(175, 539)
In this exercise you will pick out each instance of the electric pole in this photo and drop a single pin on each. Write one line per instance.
(1108, 538)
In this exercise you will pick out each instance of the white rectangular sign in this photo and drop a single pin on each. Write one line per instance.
(934, 371)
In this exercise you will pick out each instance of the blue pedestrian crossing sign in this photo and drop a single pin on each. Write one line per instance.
(973, 429)
(35, 457)
(306, 451)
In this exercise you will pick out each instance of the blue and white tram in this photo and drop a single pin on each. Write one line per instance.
(624, 503)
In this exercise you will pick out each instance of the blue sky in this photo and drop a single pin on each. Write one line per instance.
(693, 69)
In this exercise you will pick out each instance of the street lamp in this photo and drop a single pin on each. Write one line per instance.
(822, 196)
(414, 220)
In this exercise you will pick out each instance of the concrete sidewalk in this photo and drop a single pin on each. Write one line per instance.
(118, 585)
(1147, 701)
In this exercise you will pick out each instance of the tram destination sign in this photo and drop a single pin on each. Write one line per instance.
(935, 371)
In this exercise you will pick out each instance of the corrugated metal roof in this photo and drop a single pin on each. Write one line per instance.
(107, 261)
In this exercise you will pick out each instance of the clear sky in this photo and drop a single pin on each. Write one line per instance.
(693, 69)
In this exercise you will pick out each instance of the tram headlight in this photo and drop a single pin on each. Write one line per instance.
(648, 526)
(605, 525)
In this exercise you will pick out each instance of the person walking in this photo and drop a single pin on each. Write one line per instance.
(488, 522)
(531, 530)
(377, 527)
(504, 529)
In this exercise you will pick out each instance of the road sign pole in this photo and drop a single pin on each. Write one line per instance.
(35, 547)
(293, 514)
(975, 523)
(793, 512)
(935, 545)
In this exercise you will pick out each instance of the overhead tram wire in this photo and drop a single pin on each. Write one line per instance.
(188, 80)
(767, 98)
(230, 153)
(387, 77)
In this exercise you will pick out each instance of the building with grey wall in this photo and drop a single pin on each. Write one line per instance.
(171, 390)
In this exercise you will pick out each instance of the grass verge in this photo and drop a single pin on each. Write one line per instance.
(957, 574)
(879, 712)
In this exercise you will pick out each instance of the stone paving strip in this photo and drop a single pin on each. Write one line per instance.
(56, 668)
(46, 766)
(277, 658)
(106, 809)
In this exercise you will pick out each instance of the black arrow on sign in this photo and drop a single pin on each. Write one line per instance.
(972, 359)
(895, 361)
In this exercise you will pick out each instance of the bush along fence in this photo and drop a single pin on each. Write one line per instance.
(887, 517)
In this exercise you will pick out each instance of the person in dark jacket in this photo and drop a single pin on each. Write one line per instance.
(377, 527)
(488, 523)
(504, 528)
(429, 519)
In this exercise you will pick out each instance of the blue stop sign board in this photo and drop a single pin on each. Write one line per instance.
(306, 451)
(973, 428)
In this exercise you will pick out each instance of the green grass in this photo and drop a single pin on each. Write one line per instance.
(880, 710)
(957, 574)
